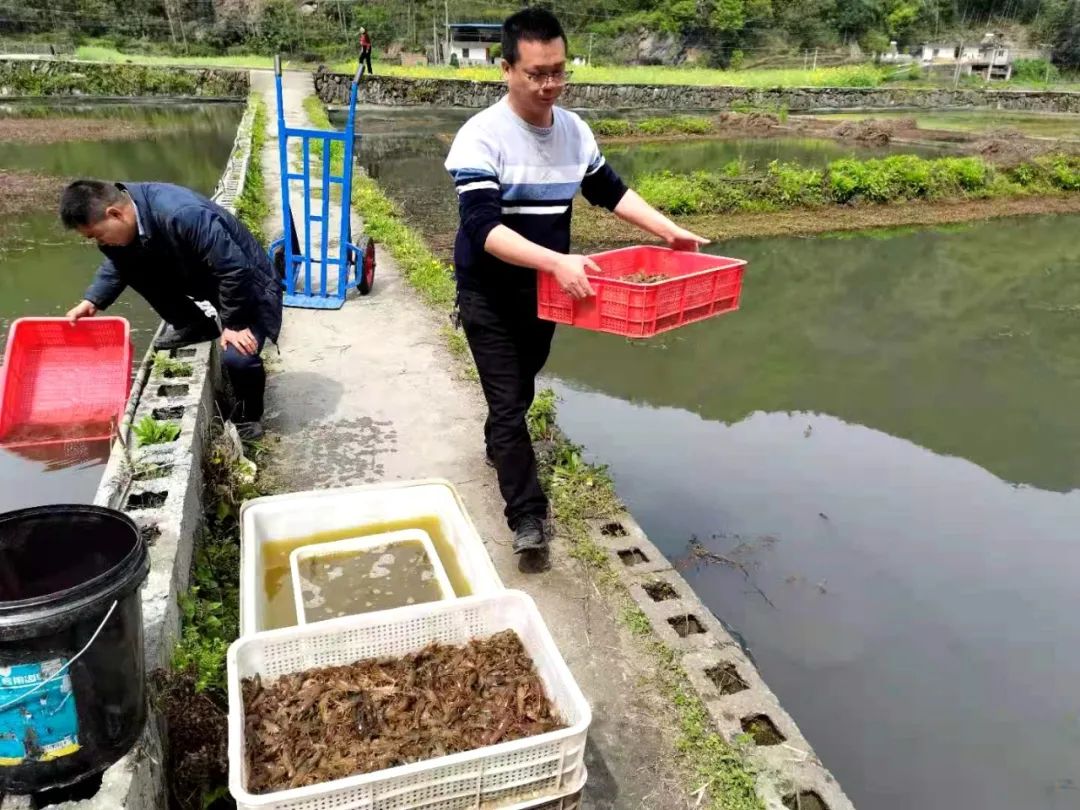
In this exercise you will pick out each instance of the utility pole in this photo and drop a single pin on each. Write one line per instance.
(446, 12)
(815, 59)
(589, 60)
(959, 57)
(435, 34)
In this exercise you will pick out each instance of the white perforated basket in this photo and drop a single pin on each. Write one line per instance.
(354, 509)
(356, 545)
(519, 774)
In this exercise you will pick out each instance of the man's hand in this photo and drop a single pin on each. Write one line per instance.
(242, 340)
(569, 271)
(682, 239)
(84, 309)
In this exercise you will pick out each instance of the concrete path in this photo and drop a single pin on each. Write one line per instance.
(370, 393)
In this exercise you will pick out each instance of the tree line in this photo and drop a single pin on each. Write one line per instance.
(723, 30)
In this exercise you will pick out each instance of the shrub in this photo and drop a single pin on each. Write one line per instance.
(793, 185)
(1034, 70)
(676, 194)
(150, 431)
(611, 127)
(1064, 171)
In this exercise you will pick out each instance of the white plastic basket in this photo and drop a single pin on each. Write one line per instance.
(355, 509)
(571, 800)
(518, 774)
(359, 545)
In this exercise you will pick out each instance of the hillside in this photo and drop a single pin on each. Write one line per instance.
(735, 33)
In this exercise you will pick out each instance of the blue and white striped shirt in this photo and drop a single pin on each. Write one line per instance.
(510, 172)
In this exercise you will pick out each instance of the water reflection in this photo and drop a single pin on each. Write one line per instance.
(919, 617)
(47, 269)
(884, 438)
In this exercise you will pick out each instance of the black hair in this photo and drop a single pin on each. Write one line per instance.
(84, 202)
(531, 25)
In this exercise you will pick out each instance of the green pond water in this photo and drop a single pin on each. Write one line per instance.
(885, 436)
(1038, 125)
(47, 269)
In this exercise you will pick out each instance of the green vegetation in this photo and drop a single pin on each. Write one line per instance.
(737, 187)
(666, 125)
(193, 695)
(844, 76)
(1034, 71)
(252, 207)
(150, 431)
(99, 53)
(25, 78)
(167, 366)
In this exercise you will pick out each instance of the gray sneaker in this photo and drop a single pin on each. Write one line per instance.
(530, 535)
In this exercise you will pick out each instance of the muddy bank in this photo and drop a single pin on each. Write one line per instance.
(595, 229)
(1002, 146)
(23, 191)
(63, 130)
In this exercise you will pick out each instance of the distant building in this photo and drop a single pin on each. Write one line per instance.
(992, 58)
(472, 42)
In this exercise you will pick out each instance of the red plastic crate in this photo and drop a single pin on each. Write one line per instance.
(698, 286)
(62, 382)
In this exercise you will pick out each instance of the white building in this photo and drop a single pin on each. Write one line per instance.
(471, 43)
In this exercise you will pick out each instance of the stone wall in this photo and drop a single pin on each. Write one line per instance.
(397, 92)
(59, 77)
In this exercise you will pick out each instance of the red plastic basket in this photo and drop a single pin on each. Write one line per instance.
(62, 382)
(698, 286)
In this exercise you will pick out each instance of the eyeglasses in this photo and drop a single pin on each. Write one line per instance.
(556, 78)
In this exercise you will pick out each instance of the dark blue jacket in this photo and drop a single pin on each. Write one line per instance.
(198, 249)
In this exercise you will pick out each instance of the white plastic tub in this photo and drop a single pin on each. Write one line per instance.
(360, 545)
(352, 512)
(530, 772)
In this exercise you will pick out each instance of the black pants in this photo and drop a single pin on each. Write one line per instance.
(246, 372)
(510, 345)
(365, 59)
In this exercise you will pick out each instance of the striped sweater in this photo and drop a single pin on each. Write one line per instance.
(525, 177)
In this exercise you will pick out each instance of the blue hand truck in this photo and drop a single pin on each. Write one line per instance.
(293, 256)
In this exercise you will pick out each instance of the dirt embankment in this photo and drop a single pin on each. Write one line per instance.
(1003, 146)
(595, 229)
(60, 130)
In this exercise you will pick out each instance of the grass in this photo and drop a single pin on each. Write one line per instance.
(170, 367)
(194, 694)
(149, 430)
(898, 178)
(252, 207)
(663, 125)
(97, 53)
(846, 76)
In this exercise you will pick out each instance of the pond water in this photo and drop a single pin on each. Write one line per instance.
(885, 437)
(47, 269)
(405, 149)
(1046, 125)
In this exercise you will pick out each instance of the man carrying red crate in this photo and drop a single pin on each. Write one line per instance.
(517, 166)
(175, 247)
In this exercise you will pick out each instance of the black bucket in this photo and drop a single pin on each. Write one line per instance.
(72, 675)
